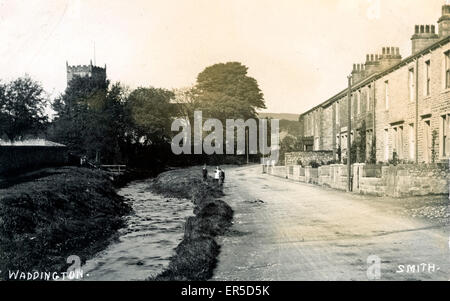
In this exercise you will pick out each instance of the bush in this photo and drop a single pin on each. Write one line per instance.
(314, 164)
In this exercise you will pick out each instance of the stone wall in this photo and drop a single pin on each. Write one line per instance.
(277, 171)
(410, 179)
(307, 157)
(14, 159)
(395, 181)
(403, 180)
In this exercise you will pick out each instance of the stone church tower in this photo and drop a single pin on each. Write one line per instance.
(85, 71)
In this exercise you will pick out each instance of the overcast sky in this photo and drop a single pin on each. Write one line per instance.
(299, 51)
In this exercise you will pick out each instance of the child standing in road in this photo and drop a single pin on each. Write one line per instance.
(217, 175)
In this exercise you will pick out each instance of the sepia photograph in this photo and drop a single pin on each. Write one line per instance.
(222, 148)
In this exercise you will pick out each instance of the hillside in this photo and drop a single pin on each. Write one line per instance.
(285, 116)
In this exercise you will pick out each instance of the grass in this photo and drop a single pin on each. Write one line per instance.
(196, 256)
(52, 214)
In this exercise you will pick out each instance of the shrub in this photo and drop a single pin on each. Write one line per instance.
(373, 152)
(434, 154)
(314, 164)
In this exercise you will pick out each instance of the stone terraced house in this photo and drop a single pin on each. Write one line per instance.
(402, 104)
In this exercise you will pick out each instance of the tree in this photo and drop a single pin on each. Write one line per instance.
(226, 91)
(373, 152)
(151, 113)
(354, 152)
(362, 143)
(22, 108)
(288, 145)
(91, 119)
(186, 102)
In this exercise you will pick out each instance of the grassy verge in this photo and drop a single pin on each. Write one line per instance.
(54, 213)
(196, 256)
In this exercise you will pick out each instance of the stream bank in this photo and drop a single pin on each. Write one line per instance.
(196, 256)
(147, 241)
(48, 215)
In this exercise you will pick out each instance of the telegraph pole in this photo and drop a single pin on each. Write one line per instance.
(246, 143)
(349, 131)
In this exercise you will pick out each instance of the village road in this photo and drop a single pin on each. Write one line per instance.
(284, 230)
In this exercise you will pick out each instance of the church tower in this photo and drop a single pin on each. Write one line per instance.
(90, 71)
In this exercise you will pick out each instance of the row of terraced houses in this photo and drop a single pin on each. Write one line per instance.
(403, 105)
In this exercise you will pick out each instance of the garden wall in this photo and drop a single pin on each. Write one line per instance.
(395, 181)
(307, 157)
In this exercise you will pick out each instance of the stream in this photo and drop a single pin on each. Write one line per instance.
(146, 243)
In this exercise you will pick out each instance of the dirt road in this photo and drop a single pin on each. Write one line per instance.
(285, 230)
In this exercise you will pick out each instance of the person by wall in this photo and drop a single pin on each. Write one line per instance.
(205, 173)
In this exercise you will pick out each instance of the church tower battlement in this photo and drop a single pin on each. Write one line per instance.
(85, 71)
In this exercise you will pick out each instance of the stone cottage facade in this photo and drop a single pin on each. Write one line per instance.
(401, 104)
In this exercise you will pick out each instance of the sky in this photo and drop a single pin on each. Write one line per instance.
(299, 51)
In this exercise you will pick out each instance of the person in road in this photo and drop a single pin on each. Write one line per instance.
(221, 177)
(83, 161)
(205, 173)
(217, 175)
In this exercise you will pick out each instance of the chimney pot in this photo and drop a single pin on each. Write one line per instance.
(433, 29)
(417, 28)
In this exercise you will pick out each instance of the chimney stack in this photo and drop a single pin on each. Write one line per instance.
(424, 36)
(390, 57)
(444, 22)
(358, 73)
(372, 64)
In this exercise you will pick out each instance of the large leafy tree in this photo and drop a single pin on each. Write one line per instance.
(186, 102)
(22, 108)
(91, 119)
(226, 91)
(151, 112)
